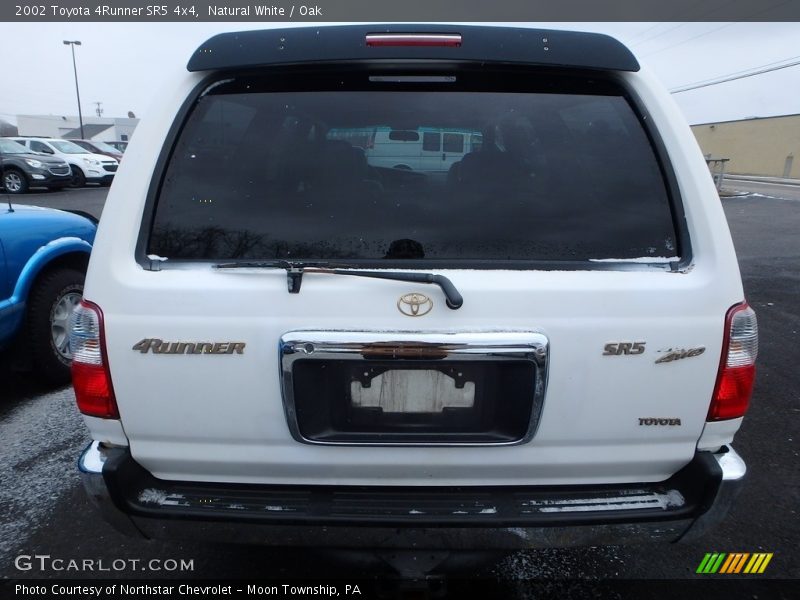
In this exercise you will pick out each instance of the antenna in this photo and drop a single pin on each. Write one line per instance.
(98, 110)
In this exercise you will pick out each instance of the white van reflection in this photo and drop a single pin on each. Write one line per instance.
(426, 149)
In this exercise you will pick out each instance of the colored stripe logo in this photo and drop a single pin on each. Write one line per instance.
(734, 562)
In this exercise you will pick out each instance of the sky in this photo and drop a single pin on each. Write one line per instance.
(125, 65)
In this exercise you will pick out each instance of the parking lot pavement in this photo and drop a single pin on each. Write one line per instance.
(88, 199)
(44, 511)
(769, 188)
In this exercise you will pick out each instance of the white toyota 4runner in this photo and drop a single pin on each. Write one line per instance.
(544, 344)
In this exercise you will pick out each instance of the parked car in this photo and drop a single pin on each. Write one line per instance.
(43, 258)
(281, 342)
(119, 145)
(21, 169)
(99, 148)
(86, 166)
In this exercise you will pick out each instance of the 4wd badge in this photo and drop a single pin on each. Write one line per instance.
(671, 355)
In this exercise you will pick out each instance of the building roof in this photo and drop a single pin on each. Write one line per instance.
(89, 131)
(746, 119)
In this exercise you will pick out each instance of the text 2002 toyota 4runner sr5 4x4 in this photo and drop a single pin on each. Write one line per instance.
(546, 343)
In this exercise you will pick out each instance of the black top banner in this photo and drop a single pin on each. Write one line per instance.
(402, 11)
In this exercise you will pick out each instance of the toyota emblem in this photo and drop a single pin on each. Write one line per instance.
(415, 304)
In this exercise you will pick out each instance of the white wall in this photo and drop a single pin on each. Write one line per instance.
(58, 126)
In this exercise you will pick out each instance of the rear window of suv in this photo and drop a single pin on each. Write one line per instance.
(296, 168)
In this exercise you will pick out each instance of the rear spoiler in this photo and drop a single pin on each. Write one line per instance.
(349, 43)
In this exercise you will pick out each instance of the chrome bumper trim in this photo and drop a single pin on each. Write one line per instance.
(90, 465)
(92, 459)
(732, 465)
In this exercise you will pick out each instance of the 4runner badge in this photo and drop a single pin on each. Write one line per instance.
(157, 346)
(415, 304)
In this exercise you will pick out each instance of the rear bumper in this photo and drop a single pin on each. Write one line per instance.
(452, 518)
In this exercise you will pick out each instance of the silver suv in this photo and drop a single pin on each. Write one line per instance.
(86, 167)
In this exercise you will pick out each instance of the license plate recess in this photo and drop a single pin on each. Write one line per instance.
(418, 389)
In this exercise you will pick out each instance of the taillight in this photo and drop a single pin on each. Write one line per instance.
(90, 375)
(414, 39)
(737, 370)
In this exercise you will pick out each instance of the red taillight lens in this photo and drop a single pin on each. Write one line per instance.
(93, 391)
(737, 369)
(414, 39)
(91, 378)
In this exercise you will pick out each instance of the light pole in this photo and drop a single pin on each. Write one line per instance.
(72, 44)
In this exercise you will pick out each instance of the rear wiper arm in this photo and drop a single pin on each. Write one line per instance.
(295, 270)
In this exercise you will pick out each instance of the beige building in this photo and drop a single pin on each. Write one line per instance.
(760, 146)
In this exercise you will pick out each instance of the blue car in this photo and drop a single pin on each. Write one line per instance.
(43, 259)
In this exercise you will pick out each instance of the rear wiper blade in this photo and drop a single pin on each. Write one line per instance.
(282, 263)
(295, 271)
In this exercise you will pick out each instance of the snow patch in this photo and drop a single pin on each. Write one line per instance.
(161, 498)
(519, 532)
(151, 496)
(625, 502)
(640, 259)
(215, 85)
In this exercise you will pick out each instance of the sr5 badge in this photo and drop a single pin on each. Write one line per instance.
(620, 348)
